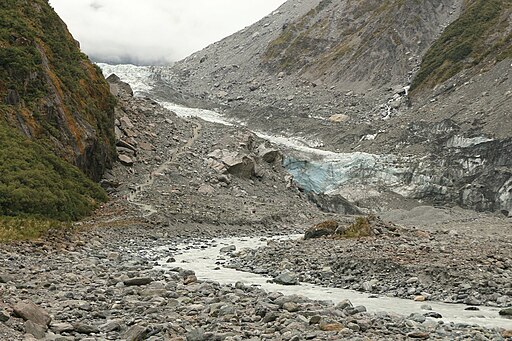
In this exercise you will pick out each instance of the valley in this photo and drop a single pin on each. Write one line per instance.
(339, 170)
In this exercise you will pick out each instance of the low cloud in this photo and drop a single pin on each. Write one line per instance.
(155, 31)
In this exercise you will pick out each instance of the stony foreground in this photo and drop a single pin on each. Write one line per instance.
(109, 289)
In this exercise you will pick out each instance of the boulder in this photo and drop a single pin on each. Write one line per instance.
(146, 146)
(206, 189)
(31, 312)
(286, 278)
(126, 160)
(136, 333)
(216, 165)
(506, 312)
(241, 166)
(83, 328)
(137, 281)
(118, 87)
(197, 334)
(4, 317)
(238, 164)
(322, 229)
(61, 327)
(268, 155)
(38, 331)
(126, 145)
(339, 118)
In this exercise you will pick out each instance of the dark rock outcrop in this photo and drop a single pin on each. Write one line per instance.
(333, 203)
(322, 229)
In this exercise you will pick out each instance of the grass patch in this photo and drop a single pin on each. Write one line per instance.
(34, 182)
(362, 227)
(18, 228)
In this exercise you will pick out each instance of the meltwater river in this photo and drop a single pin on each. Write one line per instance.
(205, 263)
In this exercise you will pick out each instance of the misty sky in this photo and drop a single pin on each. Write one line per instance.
(155, 31)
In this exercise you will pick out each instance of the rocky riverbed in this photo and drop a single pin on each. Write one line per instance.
(186, 182)
(445, 263)
(103, 285)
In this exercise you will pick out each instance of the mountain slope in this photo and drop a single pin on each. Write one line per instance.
(50, 91)
(337, 75)
(56, 114)
(481, 35)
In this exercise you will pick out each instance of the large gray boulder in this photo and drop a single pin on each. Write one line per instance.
(286, 278)
(238, 164)
(31, 312)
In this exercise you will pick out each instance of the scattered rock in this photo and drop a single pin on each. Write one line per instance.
(30, 312)
(137, 281)
(286, 278)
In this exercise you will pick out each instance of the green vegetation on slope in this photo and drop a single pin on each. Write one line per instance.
(55, 91)
(467, 42)
(36, 183)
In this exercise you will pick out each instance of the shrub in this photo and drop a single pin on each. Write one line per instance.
(18, 228)
(469, 38)
(362, 227)
(36, 183)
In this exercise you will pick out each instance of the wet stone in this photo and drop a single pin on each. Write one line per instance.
(433, 314)
(137, 281)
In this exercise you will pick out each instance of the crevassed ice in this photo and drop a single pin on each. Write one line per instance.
(140, 78)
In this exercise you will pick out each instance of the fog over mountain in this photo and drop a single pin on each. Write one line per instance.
(157, 31)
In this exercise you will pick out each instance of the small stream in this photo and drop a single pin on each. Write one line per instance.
(206, 259)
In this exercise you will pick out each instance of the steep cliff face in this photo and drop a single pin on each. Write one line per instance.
(50, 91)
